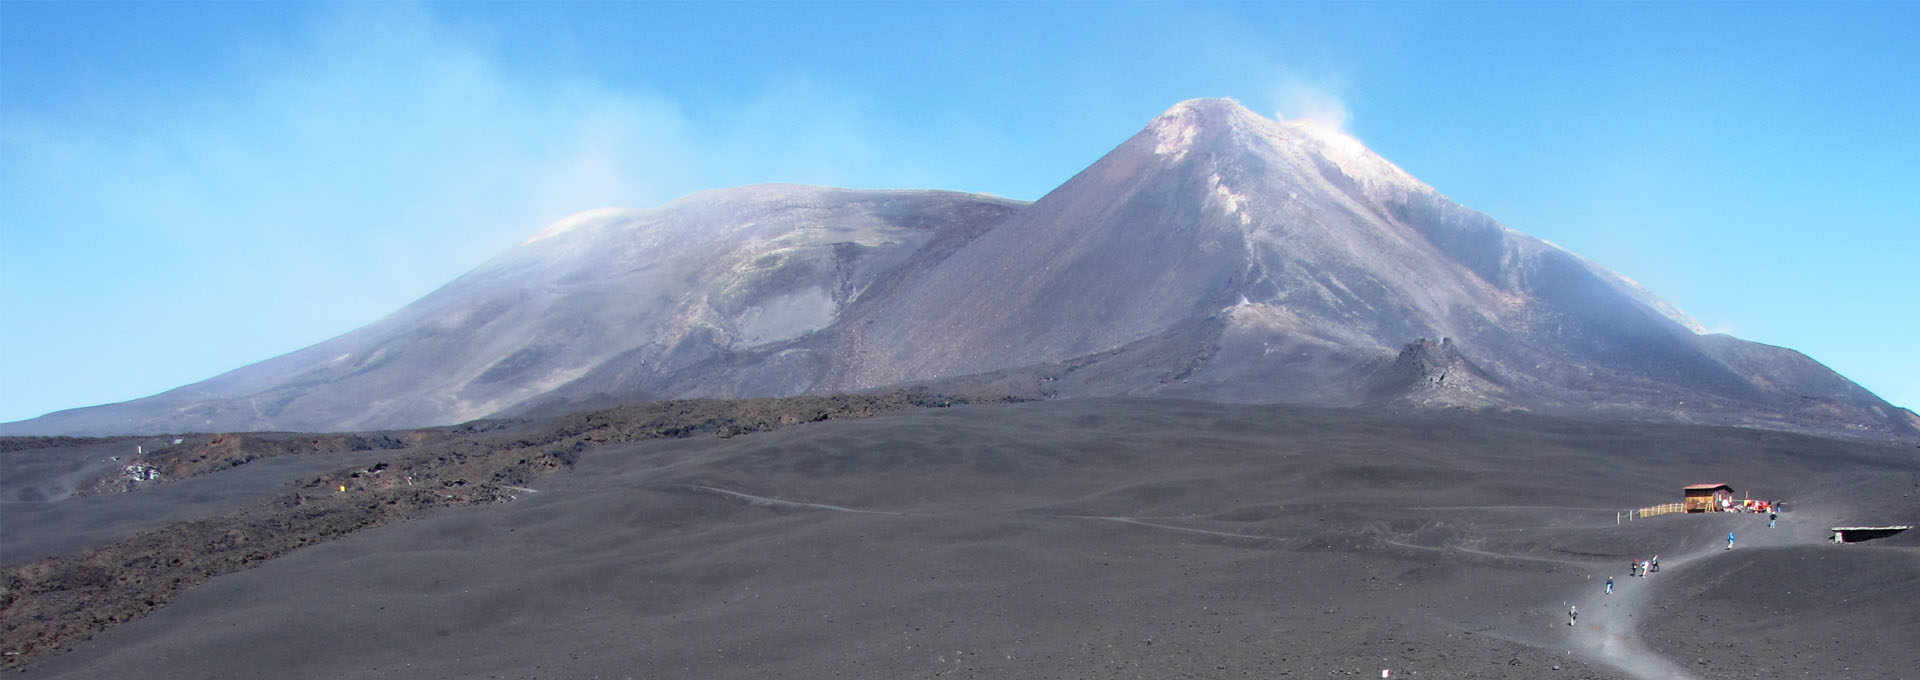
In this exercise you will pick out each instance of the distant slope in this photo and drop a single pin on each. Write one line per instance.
(1215, 255)
(1221, 255)
(662, 289)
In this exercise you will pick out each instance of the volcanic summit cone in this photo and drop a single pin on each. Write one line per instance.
(1217, 254)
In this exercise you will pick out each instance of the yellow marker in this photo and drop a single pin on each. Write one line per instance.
(343, 488)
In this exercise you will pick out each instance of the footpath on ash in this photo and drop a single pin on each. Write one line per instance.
(1608, 628)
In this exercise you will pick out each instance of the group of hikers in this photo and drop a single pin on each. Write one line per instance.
(1634, 568)
(1652, 565)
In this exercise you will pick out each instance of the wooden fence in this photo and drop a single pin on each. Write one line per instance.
(1650, 511)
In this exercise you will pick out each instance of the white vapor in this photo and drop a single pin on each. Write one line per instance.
(1317, 102)
(327, 178)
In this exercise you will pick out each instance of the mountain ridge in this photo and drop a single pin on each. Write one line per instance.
(1262, 260)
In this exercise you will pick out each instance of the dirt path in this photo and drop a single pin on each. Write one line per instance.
(1608, 631)
(1483, 553)
(1169, 527)
(1608, 627)
(784, 503)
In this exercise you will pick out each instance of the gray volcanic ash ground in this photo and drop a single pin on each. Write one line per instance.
(1089, 538)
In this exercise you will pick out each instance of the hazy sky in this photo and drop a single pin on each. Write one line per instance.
(189, 188)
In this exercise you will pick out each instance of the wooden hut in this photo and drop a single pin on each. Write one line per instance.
(1707, 497)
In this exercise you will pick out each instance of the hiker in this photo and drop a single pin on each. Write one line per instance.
(1609, 585)
(1646, 566)
(1771, 518)
(1573, 614)
(1654, 564)
(1729, 540)
(1633, 568)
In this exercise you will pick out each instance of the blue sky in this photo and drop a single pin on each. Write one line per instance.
(189, 188)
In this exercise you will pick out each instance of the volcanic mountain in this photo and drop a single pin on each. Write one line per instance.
(665, 288)
(1216, 255)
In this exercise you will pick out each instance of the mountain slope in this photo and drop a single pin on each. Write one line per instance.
(1319, 261)
(1279, 261)
(1216, 255)
(665, 288)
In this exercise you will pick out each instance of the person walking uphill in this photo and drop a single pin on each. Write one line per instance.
(1771, 518)
(1573, 613)
(1609, 585)
(1729, 540)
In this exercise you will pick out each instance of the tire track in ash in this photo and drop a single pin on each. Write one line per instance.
(1484, 553)
(769, 501)
(1170, 527)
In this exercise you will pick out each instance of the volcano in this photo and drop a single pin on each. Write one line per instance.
(1216, 255)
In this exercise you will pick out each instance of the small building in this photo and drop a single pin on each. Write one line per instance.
(1713, 497)
(1858, 534)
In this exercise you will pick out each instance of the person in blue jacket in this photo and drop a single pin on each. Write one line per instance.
(1729, 540)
